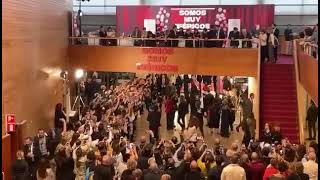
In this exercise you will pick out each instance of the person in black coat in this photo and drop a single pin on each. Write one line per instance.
(178, 84)
(204, 35)
(186, 81)
(42, 144)
(245, 35)
(220, 35)
(197, 35)
(154, 118)
(183, 109)
(234, 35)
(225, 118)
(276, 33)
(188, 35)
(212, 34)
(58, 114)
(312, 116)
(194, 173)
(31, 155)
(173, 34)
(19, 168)
(153, 173)
(64, 164)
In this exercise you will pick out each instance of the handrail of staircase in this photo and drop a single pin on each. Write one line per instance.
(309, 48)
(129, 41)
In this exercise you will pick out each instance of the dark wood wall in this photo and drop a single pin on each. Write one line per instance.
(34, 45)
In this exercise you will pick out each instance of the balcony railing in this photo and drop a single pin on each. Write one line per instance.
(165, 42)
(310, 49)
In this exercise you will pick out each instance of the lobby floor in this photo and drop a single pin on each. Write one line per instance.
(142, 126)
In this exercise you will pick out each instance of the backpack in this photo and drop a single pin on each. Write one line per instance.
(89, 174)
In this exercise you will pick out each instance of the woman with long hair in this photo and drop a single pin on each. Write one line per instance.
(44, 172)
(58, 114)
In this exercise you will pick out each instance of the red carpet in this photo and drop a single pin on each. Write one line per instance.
(279, 98)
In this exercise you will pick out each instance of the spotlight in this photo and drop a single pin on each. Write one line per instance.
(63, 74)
(78, 73)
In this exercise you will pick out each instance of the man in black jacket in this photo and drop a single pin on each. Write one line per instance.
(276, 33)
(312, 116)
(183, 109)
(154, 118)
(173, 34)
(104, 171)
(41, 144)
(234, 35)
(212, 34)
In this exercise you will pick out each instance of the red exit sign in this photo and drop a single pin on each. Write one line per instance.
(10, 123)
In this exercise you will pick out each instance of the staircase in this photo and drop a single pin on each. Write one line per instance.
(279, 99)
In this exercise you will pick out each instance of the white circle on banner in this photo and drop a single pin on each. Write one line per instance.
(162, 24)
(157, 16)
(220, 19)
(225, 29)
(166, 21)
(224, 11)
(216, 23)
(162, 17)
(224, 18)
(158, 22)
(217, 16)
(160, 12)
(165, 26)
(225, 22)
(161, 8)
(168, 14)
(164, 11)
(222, 15)
(221, 25)
(219, 9)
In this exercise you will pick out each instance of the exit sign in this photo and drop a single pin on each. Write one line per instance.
(10, 123)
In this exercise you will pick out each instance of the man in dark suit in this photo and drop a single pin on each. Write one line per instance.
(312, 116)
(276, 33)
(42, 144)
(212, 34)
(31, 155)
(136, 34)
(220, 35)
(247, 107)
(234, 35)
(173, 34)
(154, 118)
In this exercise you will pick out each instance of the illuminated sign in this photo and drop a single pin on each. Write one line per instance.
(156, 59)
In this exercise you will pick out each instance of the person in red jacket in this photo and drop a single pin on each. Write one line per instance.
(256, 167)
(271, 169)
(170, 110)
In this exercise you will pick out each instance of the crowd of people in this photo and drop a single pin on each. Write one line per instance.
(197, 39)
(103, 144)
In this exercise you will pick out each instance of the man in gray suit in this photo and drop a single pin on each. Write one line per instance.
(247, 107)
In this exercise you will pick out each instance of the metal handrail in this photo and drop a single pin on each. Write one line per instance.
(132, 41)
(310, 49)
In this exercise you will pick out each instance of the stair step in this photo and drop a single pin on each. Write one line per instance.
(277, 90)
(279, 112)
(275, 95)
(279, 81)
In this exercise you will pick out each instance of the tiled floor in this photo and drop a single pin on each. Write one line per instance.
(142, 126)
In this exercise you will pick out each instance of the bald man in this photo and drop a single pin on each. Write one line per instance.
(165, 177)
(233, 171)
(311, 167)
(105, 170)
(256, 167)
(153, 173)
(195, 172)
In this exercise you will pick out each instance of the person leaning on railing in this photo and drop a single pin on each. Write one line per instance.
(246, 35)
